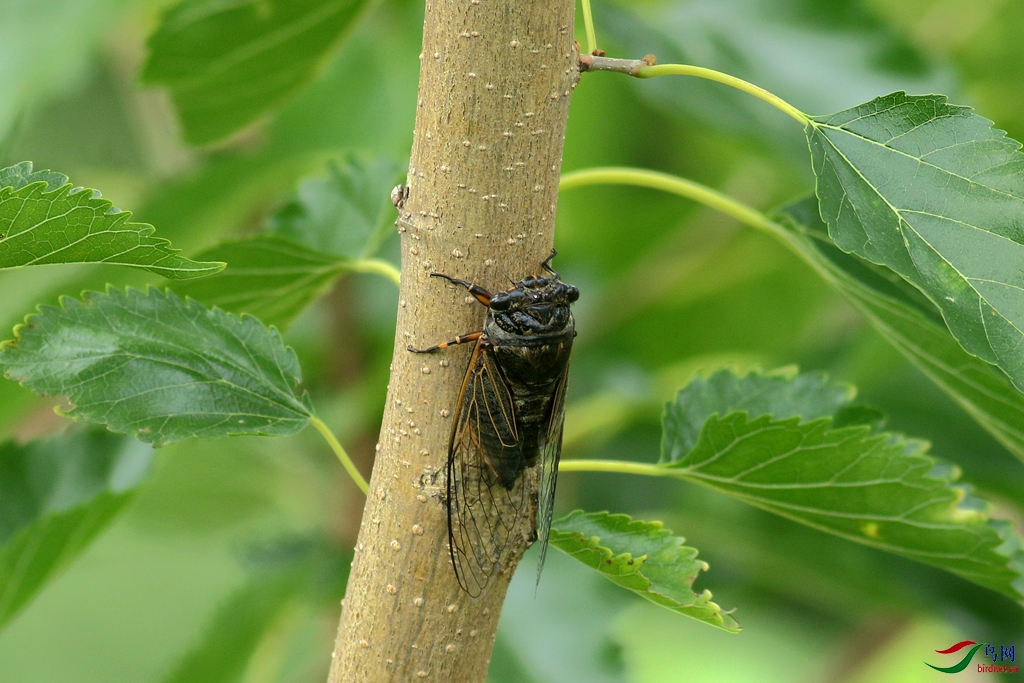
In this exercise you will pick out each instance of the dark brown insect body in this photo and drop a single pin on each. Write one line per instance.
(507, 437)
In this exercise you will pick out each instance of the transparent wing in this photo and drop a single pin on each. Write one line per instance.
(488, 499)
(550, 454)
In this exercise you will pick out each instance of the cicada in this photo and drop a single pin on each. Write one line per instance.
(507, 435)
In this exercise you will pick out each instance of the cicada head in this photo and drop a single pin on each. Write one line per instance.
(534, 306)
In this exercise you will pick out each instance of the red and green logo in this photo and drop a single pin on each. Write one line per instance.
(1002, 653)
(963, 663)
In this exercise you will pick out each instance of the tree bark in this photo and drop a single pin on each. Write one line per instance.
(495, 84)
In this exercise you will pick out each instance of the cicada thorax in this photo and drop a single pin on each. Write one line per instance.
(532, 342)
(531, 361)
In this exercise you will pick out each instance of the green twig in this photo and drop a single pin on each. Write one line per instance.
(588, 26)
(346, 462)
(373, 265)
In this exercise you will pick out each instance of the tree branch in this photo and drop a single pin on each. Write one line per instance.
(495, 85)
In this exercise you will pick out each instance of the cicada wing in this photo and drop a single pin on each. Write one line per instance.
(550, 454)
(488, 499)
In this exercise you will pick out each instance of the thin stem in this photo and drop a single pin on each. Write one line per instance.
(588, 25)
(346, 462)
(617, 175)
(619, 466)
(373, 265)
(695, 191)
(719, 77)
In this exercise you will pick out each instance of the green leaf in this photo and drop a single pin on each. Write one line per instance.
(44, 220)
(228, 63)
(159, 367)
(879, 489)
(811, 396)
(913, 325)
(349, 213)
(331, 227)
(56, 496)
(640, 556)
(20, 175)
(932, 191)
(269, 277)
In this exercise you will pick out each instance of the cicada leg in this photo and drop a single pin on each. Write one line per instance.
(546, 264)
(481, 294)
(461, 339)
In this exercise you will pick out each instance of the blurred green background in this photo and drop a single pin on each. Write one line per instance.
(669, 289)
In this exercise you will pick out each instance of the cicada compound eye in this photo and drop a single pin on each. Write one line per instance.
(500, 302)
(572, 293)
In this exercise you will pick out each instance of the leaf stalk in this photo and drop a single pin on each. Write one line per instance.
(648, 68)
(618, 466)
(339, 451)
(618, 175)
(588, 26)
(378, 267)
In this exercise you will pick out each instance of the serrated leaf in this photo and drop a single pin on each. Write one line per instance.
(56, 496)
(349, 213)
(314, 238)
(880, 489)
(809, 395)
(933, 192)
(913, 325)
(44, 220)
(159, 367)
(642, 557)
(269, 277)
(20, 175)
(228, 63)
